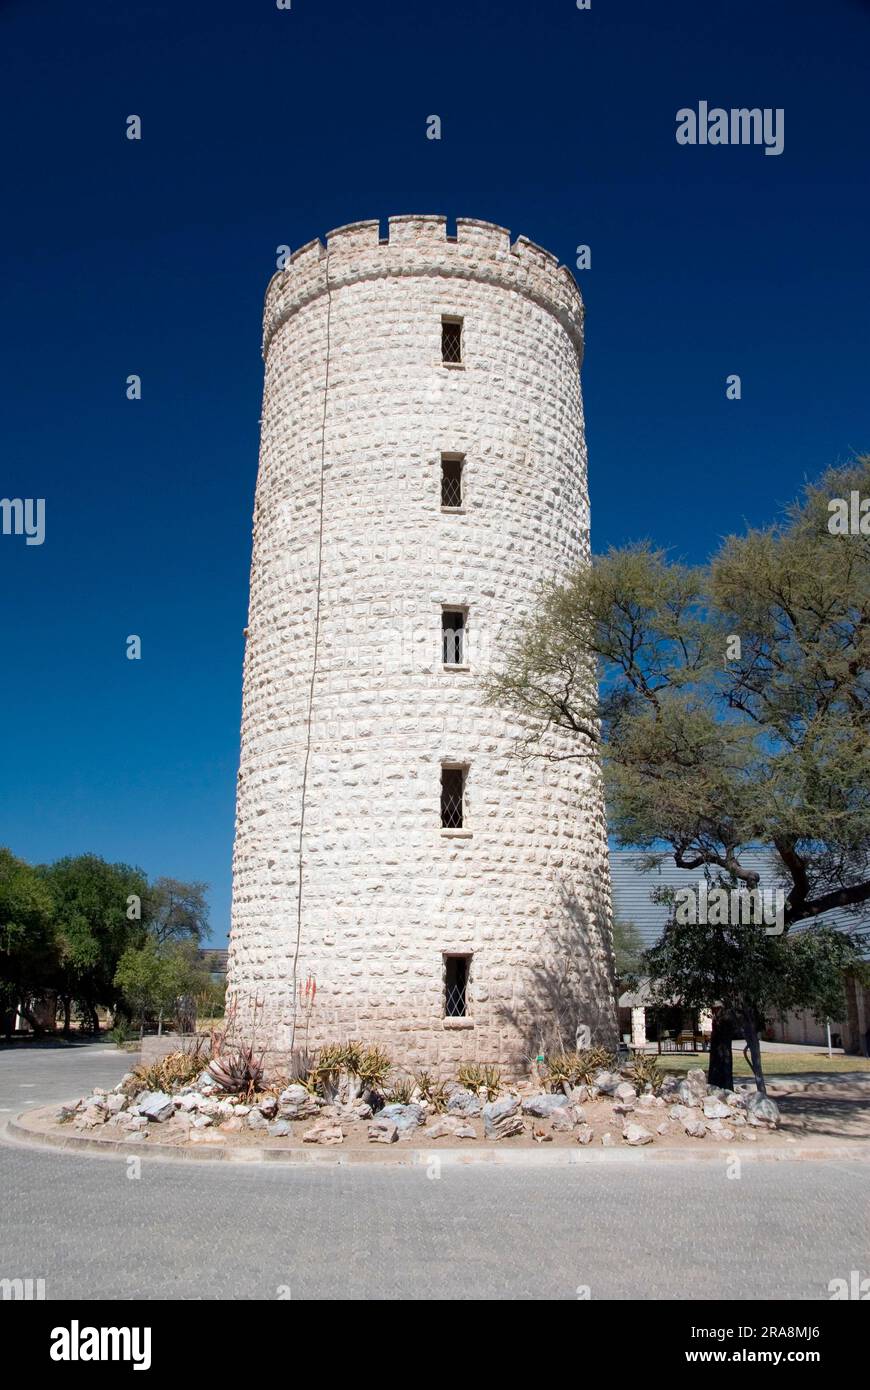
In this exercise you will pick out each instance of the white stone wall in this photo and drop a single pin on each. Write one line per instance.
(352, 345)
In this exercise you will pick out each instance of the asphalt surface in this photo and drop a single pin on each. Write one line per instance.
(93, 1230)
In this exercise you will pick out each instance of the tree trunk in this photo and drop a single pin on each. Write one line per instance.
(721, 1069)
(160, 1024)
(752, 1043)
(38, 1029)
(67, 1015)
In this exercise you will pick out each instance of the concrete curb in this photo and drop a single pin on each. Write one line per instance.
(402, 1156)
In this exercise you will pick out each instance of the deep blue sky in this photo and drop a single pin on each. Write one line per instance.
(263, 127)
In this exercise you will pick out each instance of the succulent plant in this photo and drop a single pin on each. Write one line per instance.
(169, 1073)
(567, 1069)
(645, 1071)
(473, 1076)
(401, 1091)
(373, 1068)
(432, 1091)
(238, 1070)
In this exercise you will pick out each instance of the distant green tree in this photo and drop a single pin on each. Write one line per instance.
(628, 950)
(91, 903)
(151, 978)
(28, 946)
(749, 974)
(176, 911)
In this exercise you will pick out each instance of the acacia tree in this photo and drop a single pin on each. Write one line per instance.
(176, 911)
(731, 710)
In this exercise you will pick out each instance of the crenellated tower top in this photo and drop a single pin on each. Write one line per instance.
(419, 245)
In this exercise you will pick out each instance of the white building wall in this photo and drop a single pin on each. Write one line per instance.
(354, 380)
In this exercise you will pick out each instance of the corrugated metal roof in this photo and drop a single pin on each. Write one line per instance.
(632, 888)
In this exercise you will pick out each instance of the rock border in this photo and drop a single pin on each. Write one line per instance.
(407, 1156)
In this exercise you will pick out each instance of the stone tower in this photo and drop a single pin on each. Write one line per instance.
(422, 469)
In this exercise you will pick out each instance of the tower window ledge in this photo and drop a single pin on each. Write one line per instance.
(457, 1022)
(455, 666)
(452, 366)
(456, 834)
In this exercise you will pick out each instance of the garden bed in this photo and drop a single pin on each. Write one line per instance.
(166, 1106)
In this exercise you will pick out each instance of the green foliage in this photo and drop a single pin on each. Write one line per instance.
(123, 1033)
(303, 1069)
(151, 978)
(401, 1091)
(27, 941)
(327, 1068)
(176, 911)
(627, 949)
(473, 1077)
(732, 713)
(576, 1068)
(645, 1071)
(367, 1066)
(209, 996)
(95, 934)
(90, 904)
(709, 752)
(751, 973)
(432, 1091)
(373, 1067)
(170, 1073)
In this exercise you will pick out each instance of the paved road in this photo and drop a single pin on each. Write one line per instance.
(627, 1231)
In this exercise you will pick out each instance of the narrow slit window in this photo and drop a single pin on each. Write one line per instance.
(451, 340)
(456, 986)
(453, 636)
(452, 797)
(451, 482)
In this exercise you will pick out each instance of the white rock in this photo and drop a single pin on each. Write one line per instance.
(625, 1092)
(761, 1110)
(635, 1135)
(561, 1120)
(715, 1109)
(156, 1106)
(323, 1134)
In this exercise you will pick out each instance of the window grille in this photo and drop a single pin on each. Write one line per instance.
(452, 789)
(456, 986)
(451, 340)
(451, 482)
(453, 636)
